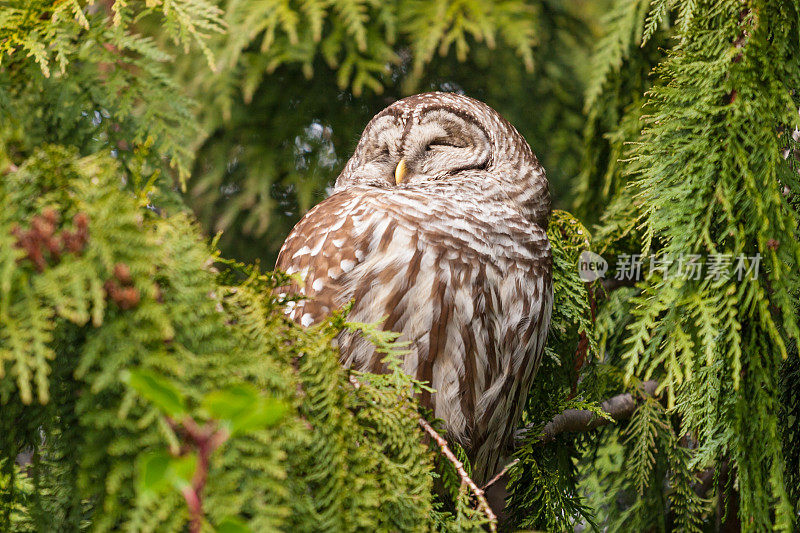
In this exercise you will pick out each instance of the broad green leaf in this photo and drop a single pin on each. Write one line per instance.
(181, 470)
(159, 470)
(267, 413)
(153, 471)
(157, 389)
(243, 409)
(230, 402)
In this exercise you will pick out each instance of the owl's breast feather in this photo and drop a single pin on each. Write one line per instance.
(468, 285)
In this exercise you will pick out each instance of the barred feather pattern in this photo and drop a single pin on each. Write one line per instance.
(455, 257)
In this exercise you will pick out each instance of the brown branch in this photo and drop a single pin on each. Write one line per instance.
(458, 465)
(619, 408)
(500, 474)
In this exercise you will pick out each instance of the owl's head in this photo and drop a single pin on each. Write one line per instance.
(434, 139)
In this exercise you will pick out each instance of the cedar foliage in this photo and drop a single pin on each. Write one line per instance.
(125, 337)
(131, 131)
(194, 336)
(706, 169)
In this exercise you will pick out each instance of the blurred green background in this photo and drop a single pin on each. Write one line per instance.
(287, 105)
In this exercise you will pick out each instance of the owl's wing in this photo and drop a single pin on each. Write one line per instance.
(321, 249)
(470, 289)
(357, 245)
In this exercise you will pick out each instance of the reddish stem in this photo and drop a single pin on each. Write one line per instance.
(206, 440)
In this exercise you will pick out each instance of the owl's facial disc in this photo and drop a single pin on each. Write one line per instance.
(433, 145)
(440, 145)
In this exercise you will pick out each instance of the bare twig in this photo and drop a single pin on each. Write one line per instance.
(619, 408)
(500, 474)
(458, 465)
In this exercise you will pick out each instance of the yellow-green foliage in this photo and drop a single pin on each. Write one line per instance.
(107, 79)
(543, 484)
(707, 171)
(342, 458)
(121, 328)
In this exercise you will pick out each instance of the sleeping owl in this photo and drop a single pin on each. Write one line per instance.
(437, 225)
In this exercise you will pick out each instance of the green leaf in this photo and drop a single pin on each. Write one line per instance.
(160, 470)
(181, 470)
(230, 402)
(232, 524)
(153, 471)
(266, 413)
(243, 409)
(157, 389)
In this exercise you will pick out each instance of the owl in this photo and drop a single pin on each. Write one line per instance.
(437, 226)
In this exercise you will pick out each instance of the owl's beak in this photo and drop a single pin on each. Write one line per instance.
(400, 171)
